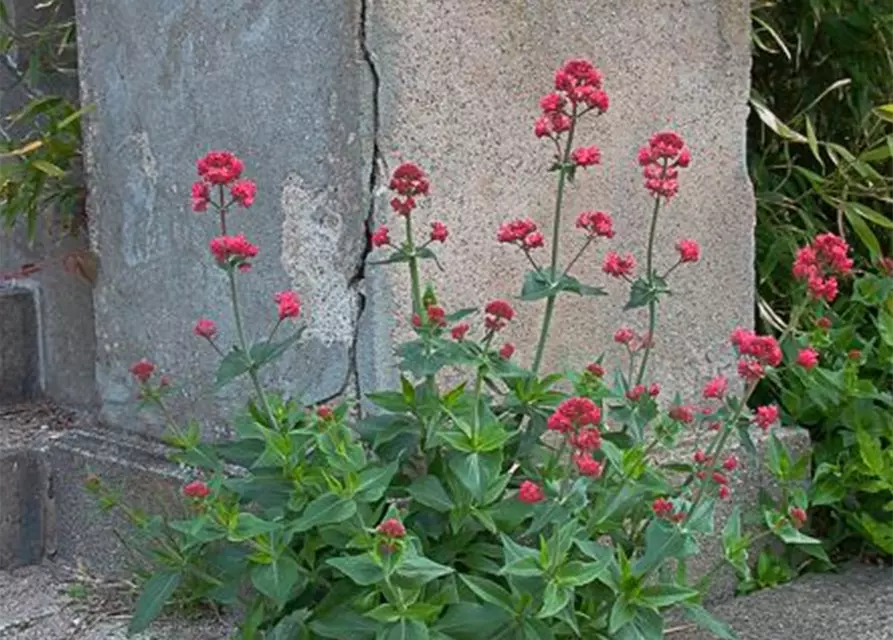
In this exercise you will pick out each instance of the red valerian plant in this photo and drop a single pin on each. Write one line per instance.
(511, 505)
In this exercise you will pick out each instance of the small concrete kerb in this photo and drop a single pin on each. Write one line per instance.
(19, 345)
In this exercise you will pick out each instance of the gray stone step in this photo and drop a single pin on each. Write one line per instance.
(854, 604)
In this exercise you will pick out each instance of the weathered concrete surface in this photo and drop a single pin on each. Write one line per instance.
(284, 85)
(24, 505)
(19, 345)
(136, 471)
(460, 84)
(856, 603)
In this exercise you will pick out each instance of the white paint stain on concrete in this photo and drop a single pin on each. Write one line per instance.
(310, 255)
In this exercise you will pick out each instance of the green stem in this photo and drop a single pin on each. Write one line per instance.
(556, 228)
(478, 387)
(413, 271)
(652, 303)
(252, 368)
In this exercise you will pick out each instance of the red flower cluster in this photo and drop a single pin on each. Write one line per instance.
(232, 249)
(522, 232)
(577, 84)
(586, 464)
(663, 508)
(639, 390)
(820, 263)
(196, 489)
(574, 413)
(142, 370)
(507, 351)
(682, 413)
(392, 528)
(289, 304)
(408, 181)
(716, 388)
(439, 231)
(808, 358)
(596, 369)
(765, 416)
(324, 412)
(381, 237)
(618, 266)
(498, 313)
(661, 159)
(730, 463)
(596, 223)
(205, 329)
(756, 353)
(689, 251)
(436, 315)
(586, 156)
(458, 331)
(798, 517)
(530, 492)
(221, 168)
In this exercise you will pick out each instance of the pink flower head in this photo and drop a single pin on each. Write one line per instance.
(403, 207)
(220, 167)
(596, 369)
(716, 388)
(243, 192)
(324, 412)
(682, 413)
(289, 304)
(798, 517)
(700, 457)
(587, 465)
(808, 358)
(578, 79)
(578, 412)
(201, 196)
(724, 492)
(439, 231)
(392, 528)
(142, 370)
(587, 439)
(530, 492)
(617, 266)
(196, 489)
(719, 478)
(507, 351)
(533, 241)
(436, 315)
(498, 313)
(596, 223)
(636, 392)
(552, 102)
(458, 332)
(662, 507)
(886, 266)
(586, 156)
(823, 323)
(654, 390)
(624, 335)
(820, 262)
(232, 249)
(765, 416)
(750, 370)
(205, 329)
(756, 350)
(660, 159)
(689, 251)
(730, 463)
(381, 237)
(409, 180)
(515, 231)
(416, 320)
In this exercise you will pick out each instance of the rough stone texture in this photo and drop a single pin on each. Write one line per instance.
(856, 603)
(745, 483)
(136, 471)
(19, 345)
(460, 83)
(24, 489)
(286, 86)
(65, 302)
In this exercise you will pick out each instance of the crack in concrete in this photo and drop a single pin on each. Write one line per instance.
(357, 281)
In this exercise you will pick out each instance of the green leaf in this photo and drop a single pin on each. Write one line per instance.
(642, 293)
(327, 509)
(362, 569)
(811, 139)
(702, 520)
(474, 471)
(772, 121)
(622, 613)
(572, 285)
(429, 491)
(870, 214)
(555, 599)
(265, 352)
(701, 617)
(374, 481)
(392, 401)
(155, 594)
(249, 526)
(344, 624)
(884, 112)
(663, 595)
(48, 168)
(276, 580)
(468, 621)
(576, 573)
(870, 451)
(779, 460)
(420, 569)
(233, 365)
(662, 541)
(489, 591)
(289, 627)
(536, 286)
(866, 235)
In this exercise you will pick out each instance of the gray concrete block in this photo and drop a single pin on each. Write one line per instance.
(285, 86)
(24, 505)
(856, 603)
(137, 471)
(19, 345)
